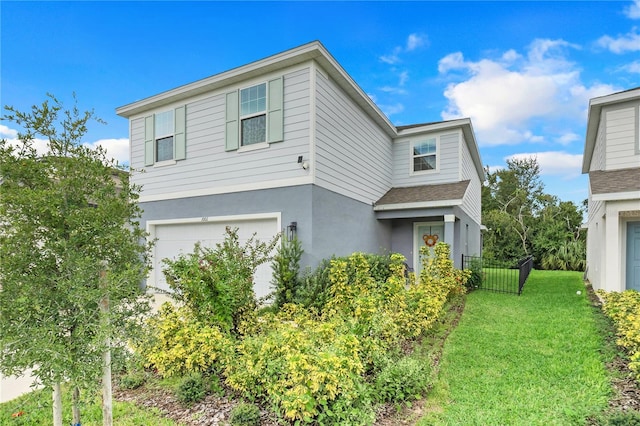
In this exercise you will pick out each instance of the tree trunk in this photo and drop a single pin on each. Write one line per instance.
(57, 405)
(76, 407)
(107, 396)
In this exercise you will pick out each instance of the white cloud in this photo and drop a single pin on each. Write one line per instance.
(414, 41)
(391, 58)
(633, 11)
(504, 96)
(555, 163)
(404, 77)
(118, 149)
(393, 90)
(568, 138)
(623, 43)
(390, 110)
(633, 67)
(7, 133)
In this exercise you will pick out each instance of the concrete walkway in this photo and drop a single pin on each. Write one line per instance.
(12, 387)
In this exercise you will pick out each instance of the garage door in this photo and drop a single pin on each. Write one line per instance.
(173, 239)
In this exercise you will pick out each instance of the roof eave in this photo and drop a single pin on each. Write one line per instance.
(469, 136)
(616, 196)
(307, 52)
(593, 120)
(417, 205)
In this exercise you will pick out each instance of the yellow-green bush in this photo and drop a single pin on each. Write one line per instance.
(316, 366)
(624, 309)
(179, 344)
(303, 366)
(383, 314)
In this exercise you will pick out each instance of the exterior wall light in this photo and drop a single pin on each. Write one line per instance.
(292, 230)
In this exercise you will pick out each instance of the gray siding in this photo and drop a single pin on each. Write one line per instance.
(471, 203)
(342, 226)
(328, 223)
(352, 154)
(598, 158)
(448, 157)
(208, 164)
(621, 138)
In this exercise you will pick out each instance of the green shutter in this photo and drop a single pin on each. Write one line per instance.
(179, 137)
(148, 141)
(231, 137)
(275, 116)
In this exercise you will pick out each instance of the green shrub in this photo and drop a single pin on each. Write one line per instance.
(217, 284)
(626, 418)
(132, 380)
(191, 389)
(245, 414)
(313, 290)
(407, 379)
(179, 344)
(476, 276)
(624, 309)
(301, 365)
(286, 266)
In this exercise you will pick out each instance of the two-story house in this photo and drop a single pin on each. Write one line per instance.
(612, 159)
(291, 143)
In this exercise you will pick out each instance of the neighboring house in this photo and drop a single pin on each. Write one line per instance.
(612, 159)
(292, 143)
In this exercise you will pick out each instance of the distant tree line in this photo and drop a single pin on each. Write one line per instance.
(523, 220)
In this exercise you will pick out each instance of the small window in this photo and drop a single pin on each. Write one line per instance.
(425, 155)
(164, 130)
(253, 115)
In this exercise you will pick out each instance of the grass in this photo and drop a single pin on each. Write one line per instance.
(37, 410)
(532, 359)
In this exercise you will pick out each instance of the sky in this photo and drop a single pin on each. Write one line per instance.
(524, 72)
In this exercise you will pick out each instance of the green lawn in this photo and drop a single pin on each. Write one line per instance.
(35, 409)
(532, 359)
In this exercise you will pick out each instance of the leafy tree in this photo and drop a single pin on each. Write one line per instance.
(523, 220)
(71, 258)
(513, 195)
(559, 242)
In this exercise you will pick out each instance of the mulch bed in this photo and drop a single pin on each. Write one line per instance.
(626, 389)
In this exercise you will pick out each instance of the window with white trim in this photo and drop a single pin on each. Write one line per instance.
(163, 134)
(165, 137)
(253, 115)
(424, 155)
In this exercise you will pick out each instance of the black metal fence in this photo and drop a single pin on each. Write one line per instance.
(493, 275)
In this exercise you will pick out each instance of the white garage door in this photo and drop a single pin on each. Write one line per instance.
(175, 238)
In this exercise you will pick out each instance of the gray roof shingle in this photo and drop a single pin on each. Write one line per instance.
(613, 181)
(424, 193)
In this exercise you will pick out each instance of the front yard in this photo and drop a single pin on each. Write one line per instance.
(539, 358)
(536, 359)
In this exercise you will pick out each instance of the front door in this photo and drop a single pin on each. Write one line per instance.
(633, 256)
(425, 234)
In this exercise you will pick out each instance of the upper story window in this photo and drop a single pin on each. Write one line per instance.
(163, 135)
(424, 155)
(253, 115)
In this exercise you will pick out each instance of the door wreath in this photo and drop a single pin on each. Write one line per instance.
(430, 240)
